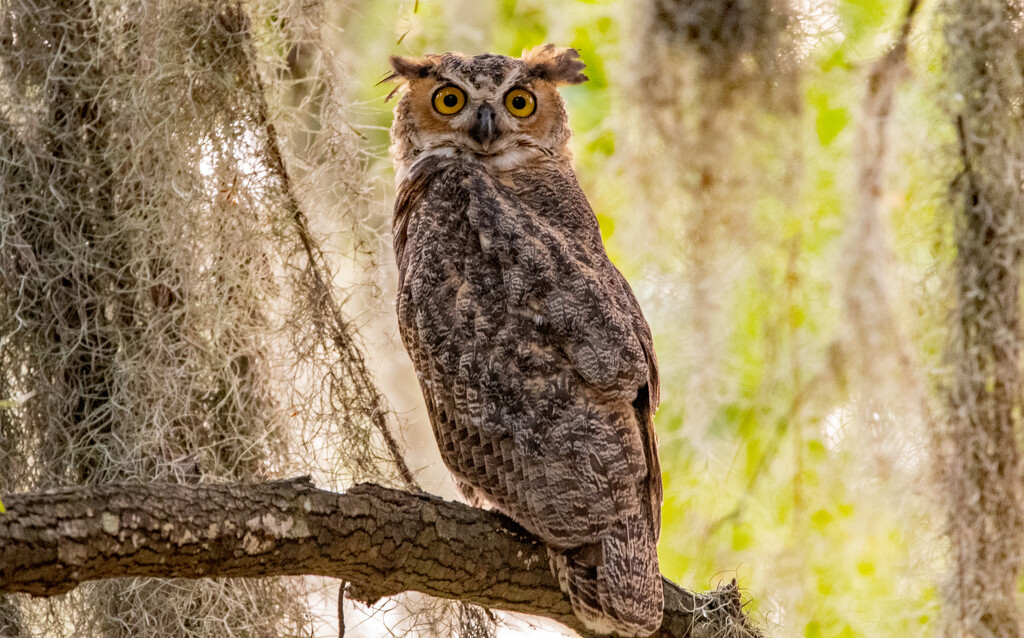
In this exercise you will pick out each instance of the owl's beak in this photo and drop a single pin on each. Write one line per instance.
(485, 129)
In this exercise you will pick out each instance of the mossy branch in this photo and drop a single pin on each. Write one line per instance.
(382, 541)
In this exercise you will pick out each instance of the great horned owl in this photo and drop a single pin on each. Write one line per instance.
(534, 358)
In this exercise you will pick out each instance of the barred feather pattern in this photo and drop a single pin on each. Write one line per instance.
(538, 371)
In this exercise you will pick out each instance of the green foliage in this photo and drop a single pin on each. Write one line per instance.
(863, 19)
(829, 120)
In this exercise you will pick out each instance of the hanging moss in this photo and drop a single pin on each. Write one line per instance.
(166, 313)
(719, 83)
(979, 445)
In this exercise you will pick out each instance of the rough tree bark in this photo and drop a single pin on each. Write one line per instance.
(382, 541)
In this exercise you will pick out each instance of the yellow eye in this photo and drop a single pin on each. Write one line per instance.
(520, 102)
(449, 100)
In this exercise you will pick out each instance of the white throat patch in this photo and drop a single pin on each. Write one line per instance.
(506, 160)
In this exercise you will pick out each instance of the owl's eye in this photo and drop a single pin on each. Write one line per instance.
(449, 100)
(520, 102)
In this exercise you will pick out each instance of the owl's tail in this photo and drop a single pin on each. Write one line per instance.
(614, 585)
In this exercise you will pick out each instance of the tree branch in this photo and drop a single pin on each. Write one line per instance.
(382, 541)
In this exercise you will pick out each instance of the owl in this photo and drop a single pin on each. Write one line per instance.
(535, 361)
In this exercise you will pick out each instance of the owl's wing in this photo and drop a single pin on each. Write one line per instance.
(554, 263)
(646, 404)
(408, 198)
(555, 266)
(426, 303)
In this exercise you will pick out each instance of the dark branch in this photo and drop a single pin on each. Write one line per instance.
(382, 541)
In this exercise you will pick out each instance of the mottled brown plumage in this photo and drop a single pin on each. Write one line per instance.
(534, 358)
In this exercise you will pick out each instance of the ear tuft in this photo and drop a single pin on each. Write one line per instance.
(408, 68)
(555, 64)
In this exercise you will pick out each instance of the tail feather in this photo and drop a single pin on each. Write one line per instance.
(614, 585)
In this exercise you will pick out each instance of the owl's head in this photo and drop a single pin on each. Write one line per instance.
(503, 111)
